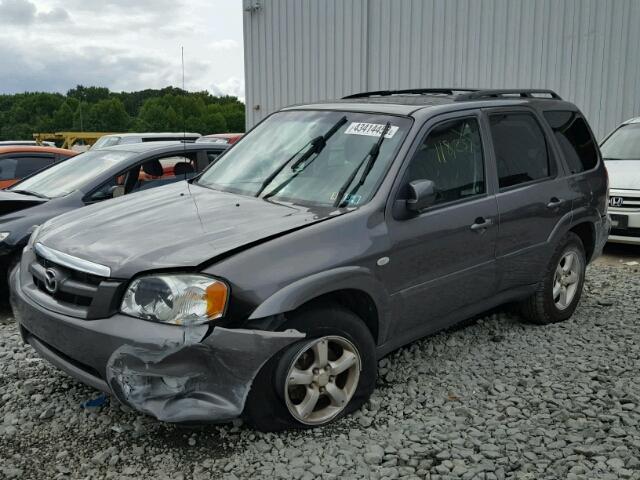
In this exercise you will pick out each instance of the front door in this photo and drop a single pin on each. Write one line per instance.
(443, 258)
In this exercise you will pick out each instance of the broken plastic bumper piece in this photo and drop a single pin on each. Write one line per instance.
(202, 381)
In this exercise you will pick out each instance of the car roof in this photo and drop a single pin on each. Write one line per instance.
(631, 120)
(406, 102)
(145, 147)
(35, 149)
(155, 135)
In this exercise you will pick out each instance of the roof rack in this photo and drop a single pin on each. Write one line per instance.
(480, 94)
(415, 91)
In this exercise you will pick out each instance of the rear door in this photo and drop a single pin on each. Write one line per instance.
(442, 259)
(532, 194)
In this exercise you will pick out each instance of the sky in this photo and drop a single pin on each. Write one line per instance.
(125, 45)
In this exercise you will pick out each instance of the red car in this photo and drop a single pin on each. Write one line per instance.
(17, 162)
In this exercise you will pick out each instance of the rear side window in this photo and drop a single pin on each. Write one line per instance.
(20, 167)
(577, 144)
(520, 148)
(451, 157)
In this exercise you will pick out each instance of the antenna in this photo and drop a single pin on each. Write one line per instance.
(184, 118)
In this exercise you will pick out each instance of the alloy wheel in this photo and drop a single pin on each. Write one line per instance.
(566, 279)
(321, 380)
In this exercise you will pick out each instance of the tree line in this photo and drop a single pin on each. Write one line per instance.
(96, 109)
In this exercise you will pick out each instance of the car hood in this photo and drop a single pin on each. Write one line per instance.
(180, 225)
(12, 202)
(624, 174)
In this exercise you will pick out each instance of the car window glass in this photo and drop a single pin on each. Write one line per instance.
(577, 144)
(451, 156)
(27, 165)
(520, 148)
(107, 141)
(212, 157)
(152, 173)
(8, 168)
(65, 177)
(623, 144)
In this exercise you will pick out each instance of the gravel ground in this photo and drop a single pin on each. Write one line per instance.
(495, 399)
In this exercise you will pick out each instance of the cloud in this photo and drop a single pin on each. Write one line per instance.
(58, 14)
(231, 86)
(54, 45)
(226, 44)
(17, 12)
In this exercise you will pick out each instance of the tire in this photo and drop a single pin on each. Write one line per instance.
(542, 308)
(8, 264)
(269, 404)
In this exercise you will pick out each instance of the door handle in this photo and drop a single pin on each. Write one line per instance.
(481, 224)
(555, 202)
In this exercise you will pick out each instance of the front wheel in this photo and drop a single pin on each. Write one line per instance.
(558, 294)
(314, 381)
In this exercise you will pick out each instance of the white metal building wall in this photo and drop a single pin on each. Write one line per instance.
(306, 50)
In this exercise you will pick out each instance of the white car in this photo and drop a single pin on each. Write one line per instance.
(621, 153)
(121, 138)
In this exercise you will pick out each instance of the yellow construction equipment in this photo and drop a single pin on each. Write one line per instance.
(69, 139)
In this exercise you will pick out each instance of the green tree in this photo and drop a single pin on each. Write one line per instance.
(107, 115)
(165, 109)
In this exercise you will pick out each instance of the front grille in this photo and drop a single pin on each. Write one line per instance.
(626, 232)
(627, 202)
(73, 288)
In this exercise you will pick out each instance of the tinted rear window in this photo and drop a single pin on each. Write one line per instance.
(577, 144)
(520, 148)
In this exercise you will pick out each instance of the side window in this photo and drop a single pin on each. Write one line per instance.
(451, 156)
(28, 165)
(577, 144)
(520, 148)
(8, 168)
(212, 156)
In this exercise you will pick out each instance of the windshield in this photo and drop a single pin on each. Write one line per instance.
(65, 177)
(273, 160)
(623, 144)
(106, 141)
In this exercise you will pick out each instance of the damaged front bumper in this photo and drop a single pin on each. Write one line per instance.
(176, 374)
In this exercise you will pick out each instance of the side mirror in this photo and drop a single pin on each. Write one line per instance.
(117, 191)
(423, 193)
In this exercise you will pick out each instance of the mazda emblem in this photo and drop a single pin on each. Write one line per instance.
(51, 280)
(616, 201)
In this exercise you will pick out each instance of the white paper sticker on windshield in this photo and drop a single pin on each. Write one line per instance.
(370, 129)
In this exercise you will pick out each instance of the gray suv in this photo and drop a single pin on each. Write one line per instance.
(330, 235)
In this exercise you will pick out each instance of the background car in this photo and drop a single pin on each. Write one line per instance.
(125, 138)
(229, 138)
(18, 162)
(621, 153)
(26, 143)
(89, 178)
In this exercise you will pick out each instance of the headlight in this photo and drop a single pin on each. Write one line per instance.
(4, 235)
(180, 299)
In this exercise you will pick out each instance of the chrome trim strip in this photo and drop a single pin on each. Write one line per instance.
(72, 262)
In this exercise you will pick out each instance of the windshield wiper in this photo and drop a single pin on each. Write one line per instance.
(316, 145)
(29, 192)
(371, 156)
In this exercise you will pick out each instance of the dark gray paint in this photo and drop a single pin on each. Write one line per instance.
(276, 258)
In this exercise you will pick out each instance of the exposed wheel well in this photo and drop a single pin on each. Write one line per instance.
(358, 302)
(586, 232)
